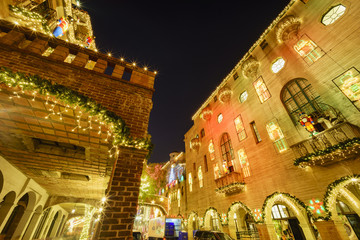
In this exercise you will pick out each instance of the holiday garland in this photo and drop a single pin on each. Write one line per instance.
(340, 146)
(229, 186)
(31, 16)
(45, 87)
(247, 210)
(212, 209)
(293, 198)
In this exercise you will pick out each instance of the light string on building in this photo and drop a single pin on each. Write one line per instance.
(118, 133)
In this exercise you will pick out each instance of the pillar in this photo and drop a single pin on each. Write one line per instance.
(333, 230)
(21, 227)
(32, 226)
(5, 212)
(123, 195)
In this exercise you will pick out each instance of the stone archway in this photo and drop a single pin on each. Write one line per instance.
(295, 206)
(193, 224)
(236, 218)
(32, 224)
(6, 206)
(342, 191)
(212, 220)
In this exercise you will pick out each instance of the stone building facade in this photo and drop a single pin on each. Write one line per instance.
(274, 150)
(73, 137)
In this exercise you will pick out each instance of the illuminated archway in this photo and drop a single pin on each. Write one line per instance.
(193, 224)
(237, 218)
(212, 220)
(294, 205)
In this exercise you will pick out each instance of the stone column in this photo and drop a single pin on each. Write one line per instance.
(21, 227)
(331, 230)
(5, 212)
(32, 226)
(123, 195)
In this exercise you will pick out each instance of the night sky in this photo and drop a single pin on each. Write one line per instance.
(192, 44)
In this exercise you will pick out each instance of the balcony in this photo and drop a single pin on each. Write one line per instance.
(341, 142)
(230, 183)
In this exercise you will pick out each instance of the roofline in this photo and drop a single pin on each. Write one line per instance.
(265, 33)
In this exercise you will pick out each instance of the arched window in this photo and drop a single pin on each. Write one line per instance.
(227, 151)
(299, 96)
(201, 180)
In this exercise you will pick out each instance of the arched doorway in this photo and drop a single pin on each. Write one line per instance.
(241, 221)
(343, 202)
(193, 224)
(212, 220)
(285, 216)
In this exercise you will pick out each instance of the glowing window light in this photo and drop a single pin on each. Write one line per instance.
(212, 150)
(261, 90)
(308, 50)
(200, 175)
(190, 182)
(220, 118)
(276, 136)
(217, 172)
(243, 96)
(349, 84)
(277, 65)
(240, 129)
(333, 14)
(244, 163)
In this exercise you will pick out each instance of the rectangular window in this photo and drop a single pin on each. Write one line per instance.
(349, 84)
(202, 133)
(216, 171)
(212, 150)
(255, 132)
(308, 50)
(240, 129)
(276, 135)
(244, 163)
(205, 164)
(194, 166)
(235, 76)
(261, 90)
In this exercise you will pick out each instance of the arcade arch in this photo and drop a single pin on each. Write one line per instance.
(282, 211)
(239, 217)
(212, 220)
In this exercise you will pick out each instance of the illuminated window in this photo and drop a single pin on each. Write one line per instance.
(227, 151)
(190, 182)
(276, 135)
(212, 150)
(178, 197)
(243, 96)
(217, 173)
(244, 163)
(277, 65)
(349, 84)
(240, 130)
(261, 90)
(201, 180)
(255, 132)
(280, 212)
(299, 96)
(333, 14)
(308, 50)
(220, 118)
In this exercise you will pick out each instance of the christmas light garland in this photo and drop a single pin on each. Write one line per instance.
(230, 187)
(30, 16)
(243, 206)
(308, 158)
(120, 132)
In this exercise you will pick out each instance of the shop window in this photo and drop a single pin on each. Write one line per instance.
(333, 14)
(298, 96)
(255, 132)
(190, 182)
(227, 152)
(244, 163)
(276, 135)
(212, 150)
(200, 175)
(243, 96)
(349, 84)
(308, 50)
(277, 65)
(261, 90)
(240, 129)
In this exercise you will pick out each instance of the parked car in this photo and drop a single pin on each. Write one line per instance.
(211, 235)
